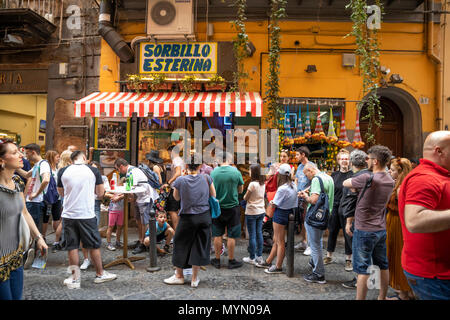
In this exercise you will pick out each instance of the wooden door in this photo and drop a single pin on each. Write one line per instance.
(391, 132)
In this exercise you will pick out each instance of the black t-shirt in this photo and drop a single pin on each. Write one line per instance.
(339, 178)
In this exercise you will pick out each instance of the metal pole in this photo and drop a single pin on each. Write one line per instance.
(152, 246)
(290, 247)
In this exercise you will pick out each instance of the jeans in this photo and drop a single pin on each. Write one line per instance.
(12, 288)
(315, 243)
(429, 289)
(254, 227)
(36, 210)
(369, 247)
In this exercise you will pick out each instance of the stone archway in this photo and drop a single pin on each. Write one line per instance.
(412, 138)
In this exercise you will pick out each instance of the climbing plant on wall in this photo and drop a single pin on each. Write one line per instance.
(274, 108)
(367, 48)
(240, 47)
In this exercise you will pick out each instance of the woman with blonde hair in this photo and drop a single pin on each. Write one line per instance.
(399, 169)
(64, 161)
(52, 157)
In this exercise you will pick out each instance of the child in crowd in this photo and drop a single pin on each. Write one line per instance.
(163, 232)
(254, 214)
(115, 218)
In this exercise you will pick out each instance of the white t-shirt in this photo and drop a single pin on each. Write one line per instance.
(176, 162)
(255, 198)
(139, 178)
(79, 182)
(39, 169)
(105, 183)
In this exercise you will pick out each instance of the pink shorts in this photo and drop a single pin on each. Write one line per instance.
(115, 218)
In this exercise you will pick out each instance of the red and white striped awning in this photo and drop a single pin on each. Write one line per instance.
(158, 104)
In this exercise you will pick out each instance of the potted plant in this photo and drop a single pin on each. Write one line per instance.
(158, 82)
(189, 85)
(216, 83)
(134, 82)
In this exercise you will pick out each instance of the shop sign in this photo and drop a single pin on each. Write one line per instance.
(12, 81)
(328, 102)
(178, 57)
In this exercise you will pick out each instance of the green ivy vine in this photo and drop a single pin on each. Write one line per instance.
(240, 47)
(274, 108)
(368, 50)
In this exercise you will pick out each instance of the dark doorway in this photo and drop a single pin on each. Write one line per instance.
(391, 132)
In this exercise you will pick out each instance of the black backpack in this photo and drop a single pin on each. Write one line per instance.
(318, 214)
(349, 199)
(152, 177)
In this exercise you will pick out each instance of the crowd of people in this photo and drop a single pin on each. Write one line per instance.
(394, 215)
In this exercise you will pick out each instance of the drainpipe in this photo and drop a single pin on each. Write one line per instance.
(437, 60)
(110, 35)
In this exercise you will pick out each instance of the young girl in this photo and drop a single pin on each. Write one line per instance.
(284, 202)
(115, 218)
(254, 214)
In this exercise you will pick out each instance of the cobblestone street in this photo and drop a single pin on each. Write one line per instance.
(246, 283)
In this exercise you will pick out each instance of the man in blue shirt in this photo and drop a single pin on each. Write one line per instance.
(301, 156)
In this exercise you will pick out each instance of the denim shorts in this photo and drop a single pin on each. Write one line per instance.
(369, 247)
(281, 216)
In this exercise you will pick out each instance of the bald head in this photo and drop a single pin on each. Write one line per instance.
(436, 148)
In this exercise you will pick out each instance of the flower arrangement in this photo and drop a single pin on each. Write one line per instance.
(216, 83)
(158, 82)
(133, 81)
(188, 84)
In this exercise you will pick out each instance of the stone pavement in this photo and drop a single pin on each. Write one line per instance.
(245, 283)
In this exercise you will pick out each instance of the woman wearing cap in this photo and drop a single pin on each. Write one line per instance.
(272, 176)
(285, 201)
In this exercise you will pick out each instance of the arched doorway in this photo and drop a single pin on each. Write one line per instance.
(391, 132)
(403, 112)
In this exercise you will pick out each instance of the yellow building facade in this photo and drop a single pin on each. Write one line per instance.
(412, 50)
(21, 114)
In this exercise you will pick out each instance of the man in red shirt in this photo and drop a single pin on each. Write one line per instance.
(424, 207)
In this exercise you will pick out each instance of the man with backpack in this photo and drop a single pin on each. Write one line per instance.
(144, 200)
(37, 185)
(320, 205)
(369, 236)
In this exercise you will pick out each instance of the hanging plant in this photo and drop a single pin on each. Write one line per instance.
(367, 48)
(240, 47)
(274, 108)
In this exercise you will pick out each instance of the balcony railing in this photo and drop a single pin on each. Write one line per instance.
(49, 9)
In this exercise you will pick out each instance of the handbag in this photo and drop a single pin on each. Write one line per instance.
(24, 232)
(214, 204)
(318, 214)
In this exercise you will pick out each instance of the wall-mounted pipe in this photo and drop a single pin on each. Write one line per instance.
(429, 20)
(110, 35)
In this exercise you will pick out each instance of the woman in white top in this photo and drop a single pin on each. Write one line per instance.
(254, 214)
(55, 209)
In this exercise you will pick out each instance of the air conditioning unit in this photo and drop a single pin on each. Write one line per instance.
(170, 19)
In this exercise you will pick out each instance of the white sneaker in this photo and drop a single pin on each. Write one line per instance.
(174, 280)
(86, 264)
(106, 276)
(300, 246)
(248, 260)
(194, 284)
(71, 283)
(307, 251)
(259, 260)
